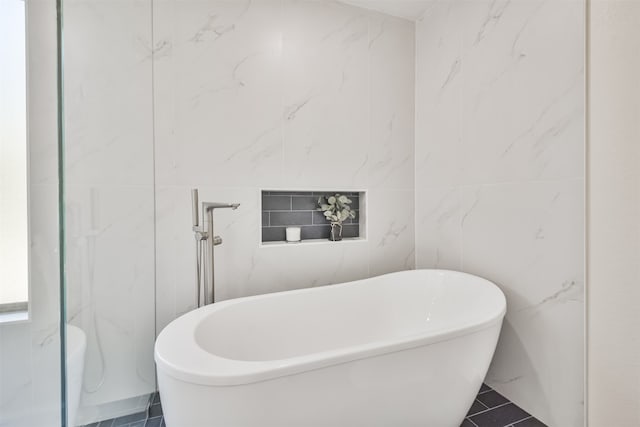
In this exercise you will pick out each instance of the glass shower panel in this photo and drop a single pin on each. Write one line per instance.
(30, 362)
(109, 203)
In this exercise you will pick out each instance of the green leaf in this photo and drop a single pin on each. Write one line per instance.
(332, 200)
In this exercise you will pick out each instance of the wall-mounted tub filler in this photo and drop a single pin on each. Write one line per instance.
(205, 242)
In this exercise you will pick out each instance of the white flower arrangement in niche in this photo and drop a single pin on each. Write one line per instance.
(336, 210)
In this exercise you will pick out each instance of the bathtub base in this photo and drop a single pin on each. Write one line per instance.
(433, 385)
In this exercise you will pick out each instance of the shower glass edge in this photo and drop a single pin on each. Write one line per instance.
(61, 216)
(71, 60)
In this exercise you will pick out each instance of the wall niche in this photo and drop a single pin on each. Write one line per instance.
(281, 209)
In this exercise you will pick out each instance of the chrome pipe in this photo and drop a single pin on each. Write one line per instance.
(198, 277)
(210, 296)
(204, 286)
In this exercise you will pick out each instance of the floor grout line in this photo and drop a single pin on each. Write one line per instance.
(523, 419)
(486, 406)
(490, 409)
(471, 421)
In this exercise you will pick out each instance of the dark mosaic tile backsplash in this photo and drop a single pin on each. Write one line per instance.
(281, 209)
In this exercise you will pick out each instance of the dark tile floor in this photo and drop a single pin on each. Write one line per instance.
(490, 409)
(150, 418)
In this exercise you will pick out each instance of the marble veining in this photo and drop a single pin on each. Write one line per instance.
(215, 31)
(559, 123)
(570, 291)
(496, 10)
(455, 69)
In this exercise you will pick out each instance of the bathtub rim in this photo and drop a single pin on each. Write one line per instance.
(213, 370)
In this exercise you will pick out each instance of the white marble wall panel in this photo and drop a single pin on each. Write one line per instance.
(390, 158)
(44, 300)
(279, 94)
(438, 97)
(523, 106)
(326, 98)
(109, 195)
(108, 105)
(218, 90)
(500, 180)
(438, 231)
(390, 231)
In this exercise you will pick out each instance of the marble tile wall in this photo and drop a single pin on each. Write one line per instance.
(272, 94)
(109, 200)
(30, 351)
(500, 181)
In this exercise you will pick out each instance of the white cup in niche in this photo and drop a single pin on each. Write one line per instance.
(293, 234)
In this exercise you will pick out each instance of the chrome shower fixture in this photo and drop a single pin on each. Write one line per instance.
(206, 240)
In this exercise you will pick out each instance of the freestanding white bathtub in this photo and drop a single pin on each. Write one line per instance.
(403, 349)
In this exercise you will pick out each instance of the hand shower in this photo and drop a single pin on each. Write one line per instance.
(194, 207)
